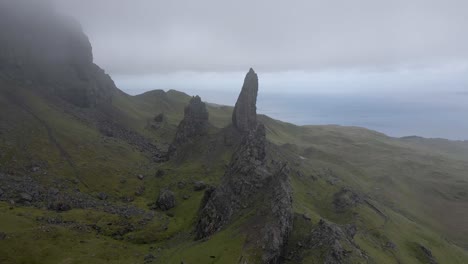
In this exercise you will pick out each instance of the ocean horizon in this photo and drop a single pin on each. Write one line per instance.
(440, 116)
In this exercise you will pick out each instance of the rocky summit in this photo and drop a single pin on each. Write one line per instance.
(244, 117)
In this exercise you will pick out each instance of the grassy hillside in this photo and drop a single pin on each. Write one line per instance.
(411, 192)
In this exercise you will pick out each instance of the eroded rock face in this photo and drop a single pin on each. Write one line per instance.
(194, 124)
(240, 182)
(336, 242)
(244, 117)
(250, 183)
(41, 49)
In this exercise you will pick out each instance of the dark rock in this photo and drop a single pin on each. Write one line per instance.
(149, 258)
(244, 117)
(107, 131)
(391, 245)
(237, 185)
(166, 200)
(346, 199)
(199, 185)
(160, 173)
(1, 192)
(185, 197)
(47, 197)
(181, 185)
(128, 199)
(25, 197)
(53, 191)
(102, 196)
(429, 258)
(140, 177)
(306, 217)
(249, 180)
(59, 206)
(194, 124)
(117, 130)
(336, 242)
(159, 118)
(2, 236)
(54, 220)
(140, 190)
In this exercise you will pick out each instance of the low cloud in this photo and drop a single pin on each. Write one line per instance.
(146, 37)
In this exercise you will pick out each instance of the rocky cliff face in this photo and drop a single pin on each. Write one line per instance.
(44, 50)
(251, 183)
(194, 124)
(244, 117)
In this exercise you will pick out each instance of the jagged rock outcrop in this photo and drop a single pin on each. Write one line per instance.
(251, 183)
(194, 124)
(337, 242)
(44, 50)
(244, 117)
(333, 243)
(241, 181)
(427, 255)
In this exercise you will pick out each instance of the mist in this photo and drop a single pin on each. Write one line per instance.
(402, 50)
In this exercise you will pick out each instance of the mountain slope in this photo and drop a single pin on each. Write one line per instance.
(85, 176)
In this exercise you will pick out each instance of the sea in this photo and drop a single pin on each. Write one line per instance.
(436, 115)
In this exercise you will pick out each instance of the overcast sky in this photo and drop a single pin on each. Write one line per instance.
(303, 46)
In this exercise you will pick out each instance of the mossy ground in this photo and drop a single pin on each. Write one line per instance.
(421, 188)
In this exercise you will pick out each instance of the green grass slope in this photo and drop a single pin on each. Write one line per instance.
(414, 191)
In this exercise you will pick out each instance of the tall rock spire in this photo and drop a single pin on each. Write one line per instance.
(252, 182)
(244, 117)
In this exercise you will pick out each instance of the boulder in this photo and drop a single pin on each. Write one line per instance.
(102, 196)
(159, 118)
(166, 200)
(25, 197)
(140, 190)
(199, 185)
(159, 173)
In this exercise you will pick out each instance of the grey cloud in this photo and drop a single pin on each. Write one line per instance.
(144, 37)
